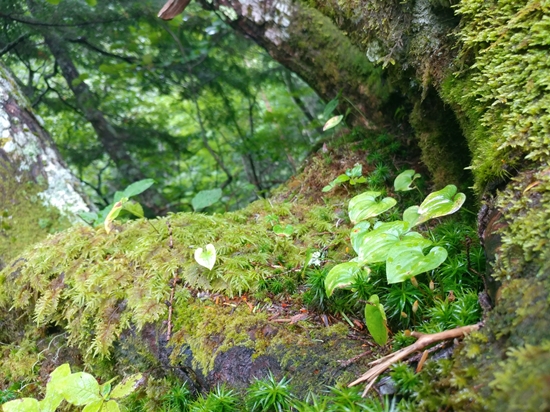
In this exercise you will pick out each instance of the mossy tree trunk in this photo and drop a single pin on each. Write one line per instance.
(38, 194)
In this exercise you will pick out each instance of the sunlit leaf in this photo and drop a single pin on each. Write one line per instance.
(206, 258)
(406, 259)
(80, 388)
(365, 206)
(128, 385)
(138, 187)
(54, 396)
(404, 180)
(110, 406)
(411, 215)
(441, 203)
(373, 247)
(91, 3)
(341, 276)
(375, 318)
(21, 405)
(206, 198)
(357, 233)
(95, 406)
(332, 122)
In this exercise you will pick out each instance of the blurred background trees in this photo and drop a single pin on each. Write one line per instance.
(188, 102)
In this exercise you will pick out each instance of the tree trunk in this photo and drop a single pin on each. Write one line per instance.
(38, 194)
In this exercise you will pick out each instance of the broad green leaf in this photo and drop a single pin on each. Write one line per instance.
(138, 187)
(22, 405)
(54, 395)
(365, 206)
(110, 406)
(94, 406)
(375, 318)
(127, 386)
(133, 208)
(406, 259)
(373, 246)
(80, 388)
(118, 195)
(356, 233)
(332, 122)
(404, 180)
(411, 215)
(206, 258)
(287, 231)
(91, 3)
(113, 214)
(206, 198)
(54, 2)
(441, 203)
(341, 276)
(329, 108)
(341, 179)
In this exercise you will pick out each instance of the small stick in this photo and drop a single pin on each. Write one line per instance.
(423, 341)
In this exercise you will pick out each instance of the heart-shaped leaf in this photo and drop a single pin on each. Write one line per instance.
(373, 246)
(332, 122)
(365, 206)
(206, 198)
(375, 318)
(404, 180)
(341, 276)
(206, 258)
(406, 259)
(286, 231)
(440, 203)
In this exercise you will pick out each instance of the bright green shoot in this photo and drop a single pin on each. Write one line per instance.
(393, 242)
(79, 389)
(353, 176)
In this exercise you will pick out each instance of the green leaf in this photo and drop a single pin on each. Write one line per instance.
(341, 276)
(134, 208)
(54, 2)
(329, 108)
(411, 215)
(373, 246)
(118, 195)
(91, 3)
(80, 388)
(206, 198)
(76, 81)
(127, 386)
(406, 259)
(355, 180)
(356, 234)
(138, 187)
(441, 203)
(375, 318)
(94, 406)
(404, 180)
(287, 231)
(357, 170)
(206, 258)
(111, 406)
(328, 187)
(113, 214)
(365, 206)
(22, 405)
(54, 395)
(332, 122)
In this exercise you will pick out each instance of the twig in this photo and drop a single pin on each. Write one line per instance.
(346, 363)
(423, 341)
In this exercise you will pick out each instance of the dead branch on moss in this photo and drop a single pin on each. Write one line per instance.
(424, 340)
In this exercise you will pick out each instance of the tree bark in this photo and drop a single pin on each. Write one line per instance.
(37, 191)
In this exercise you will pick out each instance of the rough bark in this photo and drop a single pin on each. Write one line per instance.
(37, 191)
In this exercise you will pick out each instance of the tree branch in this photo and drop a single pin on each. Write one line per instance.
(13, 44)
(82, 40)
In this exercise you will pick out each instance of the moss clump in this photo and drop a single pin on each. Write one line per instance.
(95, 285)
